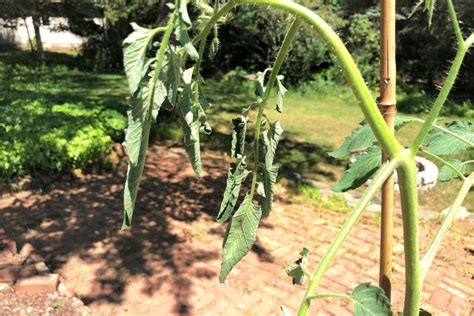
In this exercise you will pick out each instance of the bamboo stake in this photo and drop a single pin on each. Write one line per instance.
(388, 108)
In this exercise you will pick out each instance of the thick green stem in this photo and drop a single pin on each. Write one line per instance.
(367, 103)
(290, 35)
(448, 221)
(382, 174)
(408, 197)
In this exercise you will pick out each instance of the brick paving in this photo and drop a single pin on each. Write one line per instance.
(168, 263)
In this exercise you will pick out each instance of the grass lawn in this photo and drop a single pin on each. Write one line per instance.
(55, 109)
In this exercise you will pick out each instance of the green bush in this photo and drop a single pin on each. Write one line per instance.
(37, 138)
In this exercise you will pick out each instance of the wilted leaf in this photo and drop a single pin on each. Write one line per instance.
(271, 139)
(236, 175)
(259, 84)
(281, 92)
(171, 75)
(238, 136)
(269, 180)
(182, 36)
(240, 237)
(441, 143)
(360, 170)
(297, 269)
(134, 54)
(136, 141)
(447, 173)
(370, 300)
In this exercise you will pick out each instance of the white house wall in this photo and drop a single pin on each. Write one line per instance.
(49, 36)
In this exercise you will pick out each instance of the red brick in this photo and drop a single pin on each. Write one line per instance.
(37, 284)
(12, 273)
(440, 299)
(458, 306)
(65, 291)
(26, 251)
(8, 246)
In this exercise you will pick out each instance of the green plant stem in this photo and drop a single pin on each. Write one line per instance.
(463, 47)
(448, 221)
(382, 174)
(447, 131)
(444, 162)
(290, 35)
(409, 200)
(329, 295)
(389, 143)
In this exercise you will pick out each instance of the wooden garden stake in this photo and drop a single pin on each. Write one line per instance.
(388, 108)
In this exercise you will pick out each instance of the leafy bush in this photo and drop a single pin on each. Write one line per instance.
(55, 118)
(36, 137)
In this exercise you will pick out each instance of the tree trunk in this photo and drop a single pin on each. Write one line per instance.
(39, 43)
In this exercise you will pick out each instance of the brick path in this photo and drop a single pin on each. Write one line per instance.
(168, 263)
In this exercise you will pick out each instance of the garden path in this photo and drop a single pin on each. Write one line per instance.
(168, 263)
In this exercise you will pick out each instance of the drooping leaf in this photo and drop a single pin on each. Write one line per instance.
(269, 180)
(441, 143)
(271, 139)
(447, 173)
(297, 270)
(370, 300)
(260, 84)
(159, 96)
(281, 92)
(192, 145)
(181, 33)
(240, 237)
(363, 137)
(135, 48)
(236, 175)
(360, 170)
(171, 75)
(136, 142)
(238, 136)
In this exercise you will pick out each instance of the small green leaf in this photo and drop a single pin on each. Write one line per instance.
(182, 36)
(360, 171)
(171, 74)
(238, 136)
(269, 180)
(281, 92)
(441, 143)
(363, 137)
(297, 270)
(447, 173)
(271, 139)
(236, 175)
(135, 48)
(240, 237)
(370, 300)
(260, 84)
(183, 12)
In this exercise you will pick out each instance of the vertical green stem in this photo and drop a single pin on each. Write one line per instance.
(409, 201)
(382, 174)
(271, 82)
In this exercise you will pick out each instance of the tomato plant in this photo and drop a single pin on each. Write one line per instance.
(171, 79)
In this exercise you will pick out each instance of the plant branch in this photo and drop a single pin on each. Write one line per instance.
(448, 221)
(444, 162)
(290, 35)
(454, 18)
(448, 84)
(329, 295)
(366, 102)
(409, 200)
(382, 174)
